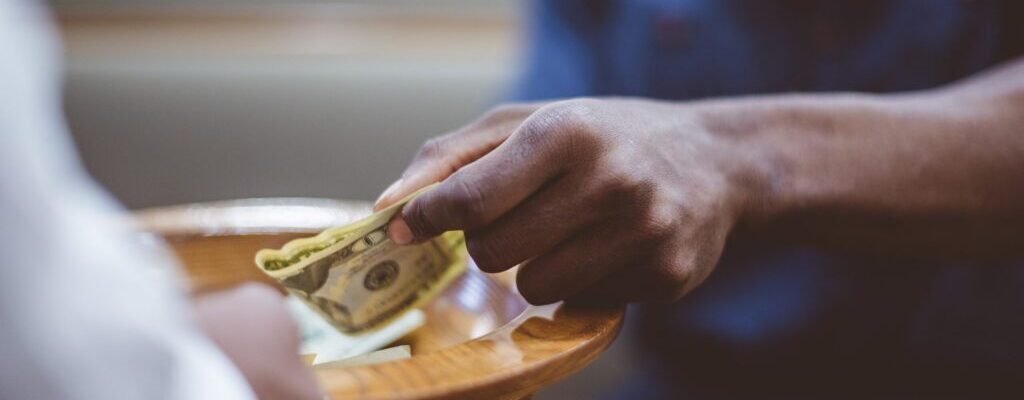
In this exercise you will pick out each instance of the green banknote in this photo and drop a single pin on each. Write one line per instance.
(357, 278)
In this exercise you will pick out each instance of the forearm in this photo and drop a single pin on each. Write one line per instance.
(938, 172)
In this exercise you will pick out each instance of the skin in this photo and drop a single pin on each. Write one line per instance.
(633, 200)
(252, 326)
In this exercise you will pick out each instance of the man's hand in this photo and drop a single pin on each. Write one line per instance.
(612, 200)
(624, 200)
(252, 326)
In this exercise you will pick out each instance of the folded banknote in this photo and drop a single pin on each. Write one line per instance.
(357, 279)
(321, 343)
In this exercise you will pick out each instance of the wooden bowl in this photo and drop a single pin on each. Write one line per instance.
(481, 339)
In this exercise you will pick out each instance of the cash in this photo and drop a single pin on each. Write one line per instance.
(378, 357)
(357, 279)
(321, 343)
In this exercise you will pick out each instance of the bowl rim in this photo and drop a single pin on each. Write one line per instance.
(518, 358)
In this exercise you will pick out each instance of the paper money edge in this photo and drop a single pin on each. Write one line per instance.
(452, 241)
(376, 357)
(352, 230)
(332, 345)
(455, 242)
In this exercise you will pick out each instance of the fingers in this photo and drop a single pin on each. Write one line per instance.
(482, 191)
(252, 326)
(218, 310)
(549, 217)
(675, 268)
(441, 156)
(630, 283)
(624, 285)
(575, 265)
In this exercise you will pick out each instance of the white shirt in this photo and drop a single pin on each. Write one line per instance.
(81, 317)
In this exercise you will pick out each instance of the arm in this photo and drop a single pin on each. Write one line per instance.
(931, 174)
(633, 199)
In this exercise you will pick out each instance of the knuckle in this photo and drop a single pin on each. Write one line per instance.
(637, 196)
(578, 110)
(657, 220)
(569, 127)
(432, 148)
(502, 112)
(415, 216)
(577, 115)
(467, 204)
(670, 283)
(535, 132)
(652, 213)
(674, 274)
(622, 185)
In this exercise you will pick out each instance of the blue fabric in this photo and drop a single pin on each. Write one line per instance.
(785, 322)
(701, 48)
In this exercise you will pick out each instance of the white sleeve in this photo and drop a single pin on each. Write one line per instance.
(82, 316)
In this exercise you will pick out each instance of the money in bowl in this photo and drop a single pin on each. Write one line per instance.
(463, 335)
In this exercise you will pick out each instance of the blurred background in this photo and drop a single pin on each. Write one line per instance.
(190, 100)
(175, 101)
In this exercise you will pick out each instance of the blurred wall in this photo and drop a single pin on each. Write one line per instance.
(455, 5)
(172, 105)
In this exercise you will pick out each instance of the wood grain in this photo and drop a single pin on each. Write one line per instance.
(481, 340)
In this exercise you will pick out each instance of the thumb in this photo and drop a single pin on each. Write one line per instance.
(443, 155)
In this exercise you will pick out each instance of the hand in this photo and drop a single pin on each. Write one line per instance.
(610, 200)
(252, 326)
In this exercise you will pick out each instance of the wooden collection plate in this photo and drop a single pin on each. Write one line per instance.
(481, 339)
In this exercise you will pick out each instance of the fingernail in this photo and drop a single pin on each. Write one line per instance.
(399, 231)
(388, 193)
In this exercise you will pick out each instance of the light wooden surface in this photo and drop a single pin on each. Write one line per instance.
(289, 30)
(481, 340)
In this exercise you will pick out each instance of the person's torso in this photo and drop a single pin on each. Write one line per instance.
(769, 317)
(688, 49)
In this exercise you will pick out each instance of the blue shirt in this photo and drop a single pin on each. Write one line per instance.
(700, 48)
(795, 322)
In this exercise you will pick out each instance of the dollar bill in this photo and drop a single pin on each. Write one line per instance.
(357, 278)
(377, 357)
(321, 343)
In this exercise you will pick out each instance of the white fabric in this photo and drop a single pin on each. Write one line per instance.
(82, 316)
